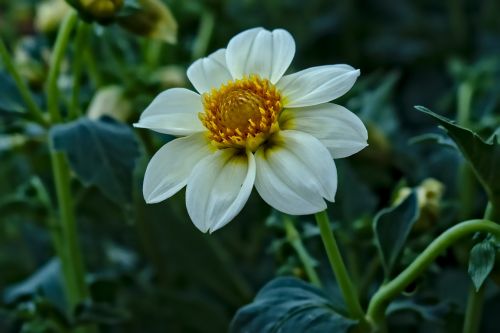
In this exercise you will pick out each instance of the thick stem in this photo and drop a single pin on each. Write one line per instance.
(337, 263)
(293, 237)
(387, 292)
(55, 65)
(33, 109)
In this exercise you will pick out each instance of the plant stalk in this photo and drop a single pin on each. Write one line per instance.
(346, 286)
(293, 237)
(33, 109)
(387, 292)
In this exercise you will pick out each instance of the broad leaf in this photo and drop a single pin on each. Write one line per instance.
(392, 227)
(101, 153)
(483, 156)
(481, 262)
(290, 305)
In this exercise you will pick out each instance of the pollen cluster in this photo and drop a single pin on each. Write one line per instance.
(241, 113)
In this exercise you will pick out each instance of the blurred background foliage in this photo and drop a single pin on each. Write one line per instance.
(150, 269)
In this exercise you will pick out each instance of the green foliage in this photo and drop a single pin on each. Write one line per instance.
(392, 227)
(290, 305)
(102, 153)
(483, 155)
(481, 262)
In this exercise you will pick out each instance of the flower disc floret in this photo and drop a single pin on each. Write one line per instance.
(242, 113)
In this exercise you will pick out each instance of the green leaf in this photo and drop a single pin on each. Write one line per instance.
(392, 227)
(290, 305)
(101, 153)
(481, 262)
(434, 312)
(483, 156)
(10, 100)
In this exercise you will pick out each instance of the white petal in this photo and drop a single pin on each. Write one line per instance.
(174, 111)
(262, 52)
(219, 187)
(168, 170)
(340, 130)
(294, 173)
(317, 85)
(210, 72)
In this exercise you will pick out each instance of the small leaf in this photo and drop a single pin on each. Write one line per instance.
(483, 156)
(481, 262)
(392, 227)
(101, 153)
(290, 305)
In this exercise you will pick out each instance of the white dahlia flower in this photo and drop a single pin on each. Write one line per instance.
(248, 124)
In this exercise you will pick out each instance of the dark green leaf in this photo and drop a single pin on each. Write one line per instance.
(429, 312)
(483, 156)
(10, 100)
(46, 280)
(481, 262)
(392, 227)
(101, 153)
(290, 305)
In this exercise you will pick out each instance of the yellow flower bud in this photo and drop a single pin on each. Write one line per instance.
(170, 76)
(101, 9)
(49, 14)
(429, 195)
(110, 101)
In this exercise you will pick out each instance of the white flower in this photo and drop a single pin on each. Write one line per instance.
(251, 125)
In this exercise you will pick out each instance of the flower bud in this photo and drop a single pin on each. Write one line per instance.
(49, 14)
(170, 76)
(429, 195)
(153, 19)
(110, 101)
(102, 11)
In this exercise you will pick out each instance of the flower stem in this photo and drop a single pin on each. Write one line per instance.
(55, 65)
(82, 32)
(475, 300)
(387, 292)
(474, 310)
(337, 263)
(69, 251)
(35, 112)
(293, 237)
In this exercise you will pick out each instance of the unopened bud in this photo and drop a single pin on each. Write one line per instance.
(153, 19)
(429, 195)
(102, 11)
(49, 14)
(110, 101)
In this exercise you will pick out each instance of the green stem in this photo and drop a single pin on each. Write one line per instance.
(293, 237)
(204, 34)
(337, 263)
(466, 177)
(55, 65)
(387, 292)
(476, 298)
(474, 310)
(33, 109)
(70, 251)
(82, 33)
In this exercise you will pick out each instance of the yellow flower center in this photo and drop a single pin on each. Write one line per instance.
(241, 113)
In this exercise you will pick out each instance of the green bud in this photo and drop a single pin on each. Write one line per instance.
(153, 19)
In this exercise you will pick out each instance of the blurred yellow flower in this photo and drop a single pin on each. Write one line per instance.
(249, 124)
